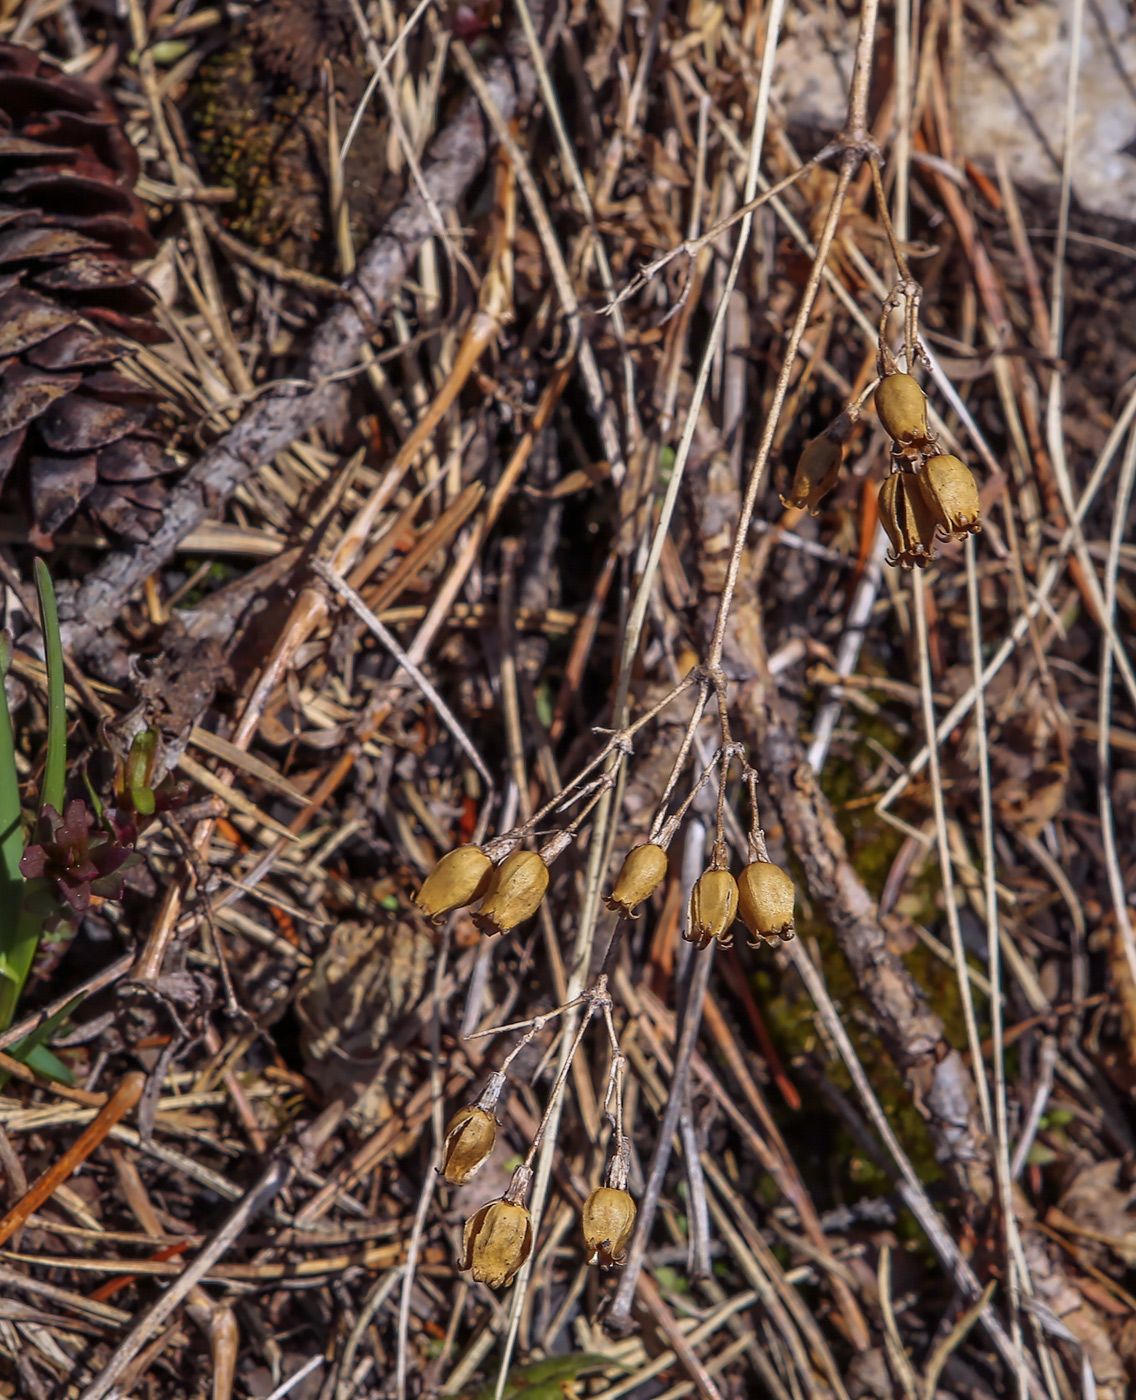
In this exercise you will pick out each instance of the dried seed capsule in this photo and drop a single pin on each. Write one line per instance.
(902, 409)
(817, 473)
(713, 908)
(765, 901)
(497, 1241)
(516, 888)
(469, 1141)
(908, 523)
(643, 870)
(458, 879)
(950, 492)
(608, 1219)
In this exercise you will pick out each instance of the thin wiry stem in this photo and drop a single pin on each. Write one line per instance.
(910, 1186)
(394, 646)
(698, 973)
(974, 1040)
(691, 247)
(601, 830)
(595, 245)
(1104, 713)
(847, 169)
(1053, 571)
(994, 969)
(855, 136)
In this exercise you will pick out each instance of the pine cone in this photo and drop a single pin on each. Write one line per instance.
(70, 226)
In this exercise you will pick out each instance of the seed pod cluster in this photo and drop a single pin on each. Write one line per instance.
(510, 892)
(498, 1237)
(929, 492)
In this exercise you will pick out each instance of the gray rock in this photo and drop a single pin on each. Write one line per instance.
(1012, 98)
(1010, 95)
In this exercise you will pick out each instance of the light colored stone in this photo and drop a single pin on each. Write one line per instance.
(1010, 96)
(1013, 99)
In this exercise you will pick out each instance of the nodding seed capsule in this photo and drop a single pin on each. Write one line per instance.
(713, 908)
(817, 473)
(608, 1219)
(950, 493)
(516, 888)
(643, 870)
(458, 879)
(765, 901)
(469, 1141)
(901, 406)
(908, 523)
(496, 1242)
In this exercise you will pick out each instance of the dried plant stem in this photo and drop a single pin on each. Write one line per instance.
(275, 419)
(594, 243)
(847, 170)
(392, 644)
(1044, 587)
(692, 246)
(1116, 882)
(1046, 1064)
(1003, 1174)
(598, 401)
(693, 992)
(897, 1355)
(426, 1194)
(274, 1179)
(911, 1187)
(946, 869)
(117, 1106)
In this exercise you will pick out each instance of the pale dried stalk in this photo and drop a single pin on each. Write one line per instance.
(946, 869)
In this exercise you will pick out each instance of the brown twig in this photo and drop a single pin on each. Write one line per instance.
(275, 1178)
(280, 416)
(117, 1106)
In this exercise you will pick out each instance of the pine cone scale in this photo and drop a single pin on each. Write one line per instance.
(27, 392)
(87, 272)
(70, 226)
(27, 319)
(59, 486)
(75, 346)
(81, 424)
(25, 244)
